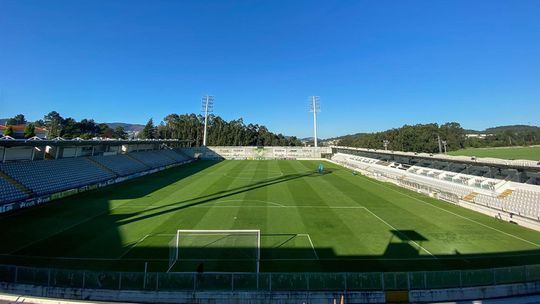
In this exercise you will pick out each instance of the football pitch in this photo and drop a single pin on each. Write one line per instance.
(335, 221)
(530, 153)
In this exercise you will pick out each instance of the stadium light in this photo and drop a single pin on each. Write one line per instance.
(444, 144)
(314, 106)
(207, 107)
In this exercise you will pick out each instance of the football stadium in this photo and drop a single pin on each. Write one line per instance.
(150, 215)
(418, 181)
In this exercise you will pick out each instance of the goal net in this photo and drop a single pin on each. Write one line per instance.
(215, 246)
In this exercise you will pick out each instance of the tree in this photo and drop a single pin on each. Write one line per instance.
(149, 131)
(29, 131)
(8, 131)
(54, 123)
(120, 133)
(17, 120)
(39, 123)
(105, 130)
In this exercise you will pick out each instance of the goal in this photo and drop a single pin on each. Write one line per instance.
(215, 246)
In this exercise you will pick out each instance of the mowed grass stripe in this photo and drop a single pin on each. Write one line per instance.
(154, 220)
(285, 198)
(344, 187)
(470, 220)
(326, 227)
(452, 232)
(67, 241)
(395, 211)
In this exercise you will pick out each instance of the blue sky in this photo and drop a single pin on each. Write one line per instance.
(375, 64)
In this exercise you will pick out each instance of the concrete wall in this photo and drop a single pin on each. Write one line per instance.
(251, 297)
(257, 152)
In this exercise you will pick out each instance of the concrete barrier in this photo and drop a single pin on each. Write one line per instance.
(251, 297)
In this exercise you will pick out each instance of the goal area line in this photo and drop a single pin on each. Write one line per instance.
(174, 251)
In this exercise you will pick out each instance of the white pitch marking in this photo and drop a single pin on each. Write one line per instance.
(67, 228)
(397, 230)
(311, 243)
(458, 215)
(133, 246)
(278, 259)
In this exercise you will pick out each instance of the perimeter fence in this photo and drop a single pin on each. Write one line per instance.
(343, 281)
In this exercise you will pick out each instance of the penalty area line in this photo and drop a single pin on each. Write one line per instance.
(311, 243)
(395, 229)
(133, 246)
(458, 215)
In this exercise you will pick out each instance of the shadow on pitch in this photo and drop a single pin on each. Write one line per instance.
(163, 209)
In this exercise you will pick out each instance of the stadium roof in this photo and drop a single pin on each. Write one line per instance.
(10, 142)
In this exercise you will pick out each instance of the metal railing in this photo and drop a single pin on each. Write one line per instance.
(375, 281)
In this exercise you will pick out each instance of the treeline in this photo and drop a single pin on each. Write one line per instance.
(516, 135)
(416, 138)
(69, 128)
(425, 137)
(219, 132)
(184, 127)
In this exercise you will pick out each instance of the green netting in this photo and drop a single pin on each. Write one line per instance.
(396, 281)
(248, 282)
(7, 274)
(442, 279)
(477, 277)
(212, 282)
(510, 275)
(289, 281)
(532, 273)
(176, 281)
(364, 281)
(417, 280)
(268, 281)
(66, 278)
(151, 282)
(35, 276)
(327, 281)
(102, 280)
(132, 280)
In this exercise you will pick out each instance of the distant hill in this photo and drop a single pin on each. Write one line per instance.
(513, 128)
(127, 126)
(493, 130)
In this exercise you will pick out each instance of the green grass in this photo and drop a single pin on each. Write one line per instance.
(354, 223)
(531, 153)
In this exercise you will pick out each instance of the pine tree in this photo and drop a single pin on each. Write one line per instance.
(149, 131)
(29, 131)
(8, 131)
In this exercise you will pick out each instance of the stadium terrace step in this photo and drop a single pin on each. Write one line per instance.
(137, 160)
(93, 161)
(470, 197)
(505, 193)
(15, 183)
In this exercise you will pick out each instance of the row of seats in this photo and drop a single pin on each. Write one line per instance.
(10, 193)
(520, 201)
(153, 159)
(43, 177)
(120, 164)
(49, 176)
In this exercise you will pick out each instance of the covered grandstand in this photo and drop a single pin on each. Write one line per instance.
(37, 171)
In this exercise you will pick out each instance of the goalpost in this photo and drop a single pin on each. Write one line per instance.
(215, 245)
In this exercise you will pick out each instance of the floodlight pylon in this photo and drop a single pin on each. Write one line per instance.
(207, 107)
(314, 106)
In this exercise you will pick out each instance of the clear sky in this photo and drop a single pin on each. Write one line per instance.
(375, 64)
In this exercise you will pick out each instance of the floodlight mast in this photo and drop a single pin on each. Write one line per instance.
(444, 142)
(315, 106)
(207, 107)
